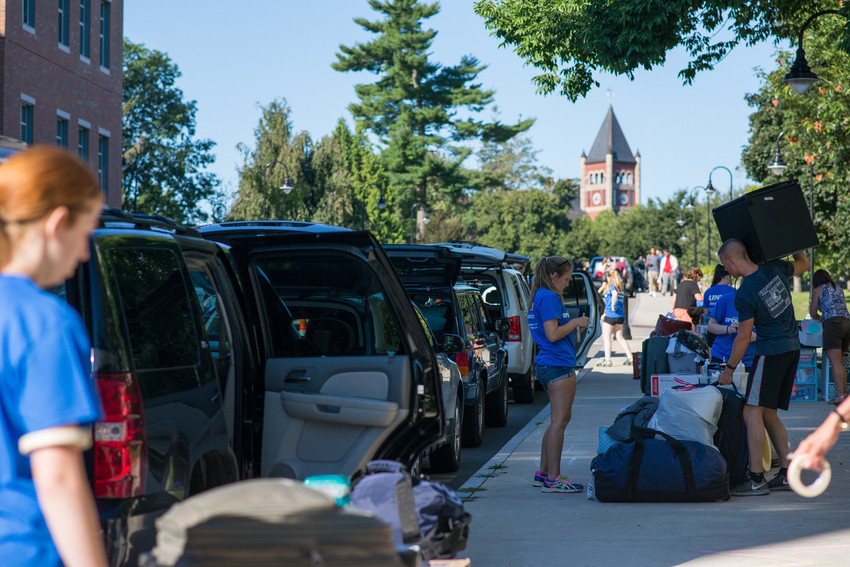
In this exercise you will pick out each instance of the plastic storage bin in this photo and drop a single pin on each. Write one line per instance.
(772, 222)
(805, 381)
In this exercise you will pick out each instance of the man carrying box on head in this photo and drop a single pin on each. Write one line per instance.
(764, 301)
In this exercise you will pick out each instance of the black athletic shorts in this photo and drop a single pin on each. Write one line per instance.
(772, 379)
(614, 320)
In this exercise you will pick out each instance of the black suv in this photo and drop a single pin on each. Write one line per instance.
(430, 275)
(316, 365)
(165, 435)
(347, 374)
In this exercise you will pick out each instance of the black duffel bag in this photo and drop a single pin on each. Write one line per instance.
(660, 470)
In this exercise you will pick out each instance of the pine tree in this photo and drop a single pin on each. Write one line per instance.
(419, 109)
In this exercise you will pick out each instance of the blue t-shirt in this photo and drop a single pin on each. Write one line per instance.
(45, 381)
(545, 306)
(714, 293)
(614, 309)
(725, 314)
(765, 297)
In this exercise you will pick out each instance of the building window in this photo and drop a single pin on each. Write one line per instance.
(26, 121)
(64, 22)
(104, 34)
(103, 162)
(62, 131)
(83, 143)
(85, 28)
(29, 13)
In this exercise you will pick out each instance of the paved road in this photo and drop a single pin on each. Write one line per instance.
(472, 459)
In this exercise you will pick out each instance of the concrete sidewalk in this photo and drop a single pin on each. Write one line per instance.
(516, 524)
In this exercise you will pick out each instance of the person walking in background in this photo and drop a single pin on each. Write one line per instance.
(764, 301)
(828, 298)
(668, 273)
(653, 264)
(686, 297)
(49, 204)
(551, 326)
(723, 325)
(614, 317)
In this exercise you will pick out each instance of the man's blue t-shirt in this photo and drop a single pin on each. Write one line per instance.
(545, 306)
(45, 381)
(714, 293)
(724, 313)
(765, 297)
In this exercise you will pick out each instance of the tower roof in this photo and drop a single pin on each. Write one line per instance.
(610, 140)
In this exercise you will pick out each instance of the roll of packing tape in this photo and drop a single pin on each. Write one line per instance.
(818, 487)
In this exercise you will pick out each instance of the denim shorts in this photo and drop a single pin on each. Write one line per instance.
(548, 374)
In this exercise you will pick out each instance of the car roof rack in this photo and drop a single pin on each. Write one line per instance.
(115, 218)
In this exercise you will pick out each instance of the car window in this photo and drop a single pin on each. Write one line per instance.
(576, 294)
(156, 306)
(470, 318)
(521, 291)
(325, 305)
(479, 305)
(214, 319)
(425, 327)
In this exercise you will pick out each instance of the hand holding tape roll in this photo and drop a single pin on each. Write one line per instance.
(816, 488)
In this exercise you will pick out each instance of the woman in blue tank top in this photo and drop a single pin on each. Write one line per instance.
(614, 317)
(828, 298)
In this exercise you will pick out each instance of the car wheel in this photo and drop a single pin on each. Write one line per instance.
(524, 391)
(447, 457)
(496, 407)
(473, 422)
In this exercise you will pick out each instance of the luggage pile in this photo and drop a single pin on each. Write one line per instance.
(688, 445)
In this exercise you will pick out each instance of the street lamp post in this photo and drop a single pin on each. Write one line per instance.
(425, 219)
(286, 187)
(709, 191)
(801, 76)
(711, 187)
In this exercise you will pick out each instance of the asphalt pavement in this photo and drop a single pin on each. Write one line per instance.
(516, 524)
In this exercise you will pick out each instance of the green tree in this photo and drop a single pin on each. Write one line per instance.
(419, 111)
(165, 164)
(278, 153)
(511, 165)
(534, 222)
(571, 40)
(815, 139)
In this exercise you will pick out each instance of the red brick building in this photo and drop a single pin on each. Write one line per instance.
(61, 64)
(610, 173)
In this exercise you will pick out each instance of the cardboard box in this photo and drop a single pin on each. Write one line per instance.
(661, 382)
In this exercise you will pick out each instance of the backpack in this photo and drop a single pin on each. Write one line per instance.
(421, 512)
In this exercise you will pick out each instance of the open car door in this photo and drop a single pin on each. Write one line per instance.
(580, 299)
(348, 374)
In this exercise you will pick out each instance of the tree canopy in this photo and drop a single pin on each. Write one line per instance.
(571, 40)
(815, 136)
(164, 163)
(420, 111)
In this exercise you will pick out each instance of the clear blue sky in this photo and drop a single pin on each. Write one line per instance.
(236, 57)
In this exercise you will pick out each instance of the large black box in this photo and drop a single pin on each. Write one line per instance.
(772, 222)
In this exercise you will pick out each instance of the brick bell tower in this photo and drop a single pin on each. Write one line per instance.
(610, 173)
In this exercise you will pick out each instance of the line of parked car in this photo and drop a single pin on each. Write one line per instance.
(276, 348)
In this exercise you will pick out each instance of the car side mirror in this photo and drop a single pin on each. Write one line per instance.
(452, 343)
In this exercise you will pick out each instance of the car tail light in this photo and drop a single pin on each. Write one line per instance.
(462, 360)
(120, 447)
(515, 330)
